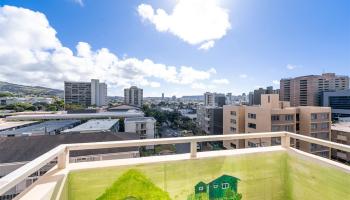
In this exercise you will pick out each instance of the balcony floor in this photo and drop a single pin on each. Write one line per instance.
(264, 173)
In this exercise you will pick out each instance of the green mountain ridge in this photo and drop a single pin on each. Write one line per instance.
(18, 89)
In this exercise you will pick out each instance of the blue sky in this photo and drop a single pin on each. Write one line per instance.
(267, 40)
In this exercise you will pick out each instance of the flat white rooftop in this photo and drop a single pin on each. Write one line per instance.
(94, 125)
(140, 119)
(102, 115)
(342, 126)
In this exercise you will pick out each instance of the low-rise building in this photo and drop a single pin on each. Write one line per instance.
(53, 127)
(80, 116)
(274, 115)
(5, 125)
(340, 133)
(145, 126)
(96, 125)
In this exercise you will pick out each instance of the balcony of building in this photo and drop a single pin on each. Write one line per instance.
(275, 172)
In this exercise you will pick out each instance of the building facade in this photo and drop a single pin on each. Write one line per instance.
(255, 97)
(133, 96)
(209, 119)
(145, 126)
(214, 99)
(274, 115)
(307, 90)
(339, 101)
(340, 133)
(85, 93)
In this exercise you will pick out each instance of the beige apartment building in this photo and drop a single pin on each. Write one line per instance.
(340, 133)
(274, 115)
(307, 90)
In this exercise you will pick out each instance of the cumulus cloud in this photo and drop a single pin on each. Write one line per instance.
(243, 76)
(197, 22)
(221, 81)
(30, 52)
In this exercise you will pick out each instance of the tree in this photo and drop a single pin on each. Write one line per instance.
(73, 106)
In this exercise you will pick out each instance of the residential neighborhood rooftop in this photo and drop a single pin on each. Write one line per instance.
(41, 128)
(139, 119)
(94, 125)
(5, 125)
(342, 126)
(33, 147)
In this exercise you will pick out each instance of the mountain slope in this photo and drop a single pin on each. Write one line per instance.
(28, 90)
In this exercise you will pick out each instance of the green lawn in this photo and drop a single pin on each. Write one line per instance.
(263, 177)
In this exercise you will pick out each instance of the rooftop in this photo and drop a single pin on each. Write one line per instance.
(21, 149)
(4, 125)
(94, 125)
(124, 107)
(139, 119)
(101, 115)
(341, 126)
(42, 128)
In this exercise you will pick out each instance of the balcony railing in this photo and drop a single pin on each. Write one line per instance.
(61, 152)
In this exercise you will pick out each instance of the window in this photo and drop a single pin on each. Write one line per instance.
(233, 145)
(324, 116)
(233, 129)
(252, 144)
(289, 128)
(275, 128)
(233, 113)
(251, 125)
(275, 117)
(313, 116)
(233, 121)
(200, 188)
(313, 126)
(288, 117)
(225, 185)
(251, 115)
(324, 126)
(215, 186)
(298, 117)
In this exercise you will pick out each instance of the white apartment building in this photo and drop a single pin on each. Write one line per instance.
(144, 126)
(85, 93)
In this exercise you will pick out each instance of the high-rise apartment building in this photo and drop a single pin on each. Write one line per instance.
(133, 96)
(209, 119)
(255, 97)
(307, 90)
(85, 93)
(214, 99)
(274, 115)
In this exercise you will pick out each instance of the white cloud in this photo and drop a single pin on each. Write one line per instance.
(197, 22)
(80, 2)
(31, 53)
(243, 76)
(207, 45)
(221, 81)
(276, 82)
(291, 67)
